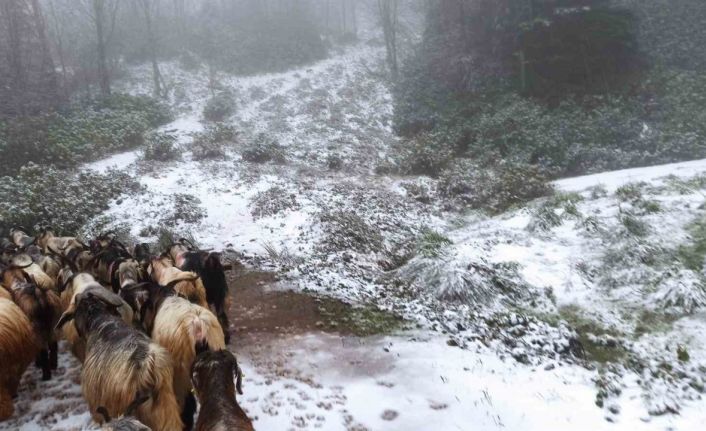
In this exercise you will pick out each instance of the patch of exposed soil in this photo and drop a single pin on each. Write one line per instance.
(260, 307)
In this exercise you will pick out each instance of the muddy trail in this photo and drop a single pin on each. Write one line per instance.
(289, 338)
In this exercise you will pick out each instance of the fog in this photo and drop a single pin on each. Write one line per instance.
(403, 214)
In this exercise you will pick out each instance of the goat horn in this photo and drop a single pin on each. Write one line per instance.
(179, 280)
(108, 298)
(65, 318)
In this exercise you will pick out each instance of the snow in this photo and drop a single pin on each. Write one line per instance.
(335, 107)
(116, 161)
(612, 180)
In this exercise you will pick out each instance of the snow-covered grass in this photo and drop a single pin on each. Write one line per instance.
(574, 300)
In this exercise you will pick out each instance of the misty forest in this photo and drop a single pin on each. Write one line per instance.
(353, 215)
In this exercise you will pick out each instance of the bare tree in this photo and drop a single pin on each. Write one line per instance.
(148, 8)
(389, 20)
(28, 82)
(100, 11)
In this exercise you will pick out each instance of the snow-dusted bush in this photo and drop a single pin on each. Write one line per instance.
(492, 187)
(431, 243)
(185, 208)
(219, 107)
(553, 211)
(273, 201)
(334, 162)
(64, 200)
(264, 149)
(84, 132)
(425, 154)
(680, 289)
(451, 279)
(161, 147)
(211, 144)
(634, 225)
(347, 231)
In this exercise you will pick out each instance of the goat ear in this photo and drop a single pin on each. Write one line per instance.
(237, 373)
(194, 379)
(104, 412)
(106, 297)
(65, 318)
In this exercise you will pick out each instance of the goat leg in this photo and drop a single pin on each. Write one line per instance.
(54, 355)
(187, 414)
(44, 363)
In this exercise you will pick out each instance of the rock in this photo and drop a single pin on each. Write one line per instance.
(389, 415)
(451, 342)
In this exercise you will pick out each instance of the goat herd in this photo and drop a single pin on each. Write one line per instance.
(150, 330)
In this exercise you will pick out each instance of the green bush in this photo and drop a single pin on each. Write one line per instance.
(212, 142)
(425, 154)
(494, 188)
(62, 199)
(219, 107)
(161, 147)
(83, 133)
(264, 150)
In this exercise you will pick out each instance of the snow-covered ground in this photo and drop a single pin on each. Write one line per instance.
(501, 305)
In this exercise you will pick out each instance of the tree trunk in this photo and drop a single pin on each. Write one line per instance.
(103, 71)
(156, 75)
(343, 16)
(388, 17)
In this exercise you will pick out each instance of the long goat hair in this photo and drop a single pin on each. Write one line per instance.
(121, 362)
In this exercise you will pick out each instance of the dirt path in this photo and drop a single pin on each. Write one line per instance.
(287, 339)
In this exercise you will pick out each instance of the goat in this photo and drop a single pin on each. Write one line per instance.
(187, 284)
(43, 308)
(66, 244)
(105, 265)
(17, 350)
(121, 362)
(20, 238)
(212, 272)
(25, 263)
(48, 264)
(128, 421)
(74, 285)
(212, 375)
(182, 328)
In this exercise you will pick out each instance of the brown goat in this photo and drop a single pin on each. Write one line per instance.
(121, 362)
(72, 286)
(212, 376)
(17, 350)
(43, 308)
(186, 284)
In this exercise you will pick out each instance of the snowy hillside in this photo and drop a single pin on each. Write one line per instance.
(574, 312)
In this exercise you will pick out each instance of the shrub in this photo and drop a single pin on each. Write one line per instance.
(272, 202)
(83, 133)
(334, 162)
(186, 208)
(264, 150)
(431, 243)
(161, 147)
(425, 154)
(219, 107)
(634, 226)
(347, 231)
(62, 199)
(212, 142)
(493, 188)
(155, 111)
